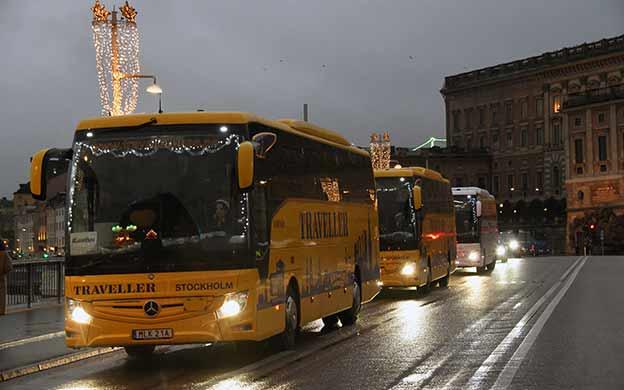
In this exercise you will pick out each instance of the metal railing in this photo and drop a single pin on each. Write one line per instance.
(598, 95)
(35, 281)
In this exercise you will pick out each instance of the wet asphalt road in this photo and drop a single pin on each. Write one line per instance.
(533, 323)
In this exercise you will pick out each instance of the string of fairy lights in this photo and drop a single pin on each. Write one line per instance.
(116, 42)
(380, 150)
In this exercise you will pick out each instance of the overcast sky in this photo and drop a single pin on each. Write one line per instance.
(225, 55)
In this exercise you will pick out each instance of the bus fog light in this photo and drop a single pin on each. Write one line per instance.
(473, 256)
(500, 250)
(408, 269)
(233, 304)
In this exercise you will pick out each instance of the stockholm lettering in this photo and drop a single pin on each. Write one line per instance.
(204, 286)
(321, 224)
(128, 288)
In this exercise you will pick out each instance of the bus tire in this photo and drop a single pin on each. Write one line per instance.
(331, 321)
(350, 316)
(490, 267)
(140, 351)
(287, 339)
(426, 288)
(481, 270)
(444, 282)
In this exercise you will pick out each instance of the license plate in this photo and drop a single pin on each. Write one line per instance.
(152, 334)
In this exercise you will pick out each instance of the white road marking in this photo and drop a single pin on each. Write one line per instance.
(511, 368)
(43, 337)
(480, 376)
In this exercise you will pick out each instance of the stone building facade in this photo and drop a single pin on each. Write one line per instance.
(515, 111)
(594, 123)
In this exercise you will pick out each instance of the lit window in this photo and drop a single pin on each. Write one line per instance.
(556, 104)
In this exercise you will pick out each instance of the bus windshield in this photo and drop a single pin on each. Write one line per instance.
(397, 219)
(467, 223)
(160, 202)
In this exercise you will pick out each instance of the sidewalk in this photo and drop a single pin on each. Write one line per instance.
(30, 336)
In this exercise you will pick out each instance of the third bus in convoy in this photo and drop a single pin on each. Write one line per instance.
(477, 229)
(416, 226)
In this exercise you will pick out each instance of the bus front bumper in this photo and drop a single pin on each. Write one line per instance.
(403, 275)
(469, 255)
(188, 329)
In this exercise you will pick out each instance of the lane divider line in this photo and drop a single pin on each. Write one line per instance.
(52, 363)
(511, 368)
(480, 376)
(43, 337)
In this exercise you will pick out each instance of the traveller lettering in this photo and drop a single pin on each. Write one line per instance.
(322, 224)
(120, 288)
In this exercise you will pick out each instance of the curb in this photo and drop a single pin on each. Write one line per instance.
(52, 363)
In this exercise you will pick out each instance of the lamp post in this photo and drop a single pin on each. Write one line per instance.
(153, 88)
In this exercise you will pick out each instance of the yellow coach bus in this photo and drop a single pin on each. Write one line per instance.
(206, 227)
(417, 228)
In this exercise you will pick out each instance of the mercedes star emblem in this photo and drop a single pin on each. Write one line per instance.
(151, 308)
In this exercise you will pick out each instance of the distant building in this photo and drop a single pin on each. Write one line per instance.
(24, 207)
(55, 221)
(7, 221)
(593, 121)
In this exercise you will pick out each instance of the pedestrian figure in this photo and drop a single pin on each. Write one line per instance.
(5, 268)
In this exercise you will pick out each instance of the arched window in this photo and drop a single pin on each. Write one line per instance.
(556, 178)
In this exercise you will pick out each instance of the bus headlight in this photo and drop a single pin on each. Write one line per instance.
(513, 245)
(408, 269)
(76, 312)
(473, 256)
(234, 304)
(500, 250)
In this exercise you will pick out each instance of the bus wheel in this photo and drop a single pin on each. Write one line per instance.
(140, 351)
(349, 317)
(444, 282)
(427, 287)
(330, 321)
(289, 335)
(490, 267)
(481, 270)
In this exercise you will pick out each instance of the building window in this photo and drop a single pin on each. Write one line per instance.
(539, 107)
(556, 179)
(525, 182)
(602, 148)
(481, 181)
(494, 114)
(556, 134)
(481, 116)
(459, 182)
(469, 143)
(457, 141)
(468, 114)
(495, 184)
(578, 121)
(456, 120)
(524, 139)
(510, 140)
(495, 141)
(523, 109)
(601, 118)
(509, 112)
(539, 181)
(510, 182)
(578, 151)
(482, 142)
(539, 135)
(556, 105)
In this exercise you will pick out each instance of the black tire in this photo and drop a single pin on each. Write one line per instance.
(424, 290)
(287, 339)
(444, 282)
(490, 267)
(331, 321)
(350, 316)
(140, 351)
(481, 270)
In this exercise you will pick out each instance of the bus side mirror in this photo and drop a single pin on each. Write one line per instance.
(245, 164)
(417, 198)
(48, 172)
(479, 208)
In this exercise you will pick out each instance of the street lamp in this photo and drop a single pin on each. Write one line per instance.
(153, 88)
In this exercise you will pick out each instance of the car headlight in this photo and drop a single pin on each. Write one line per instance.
(473, 256)
(408, 269)
(234, 304)
(76, 312)
(513, 244)
(500, 250)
